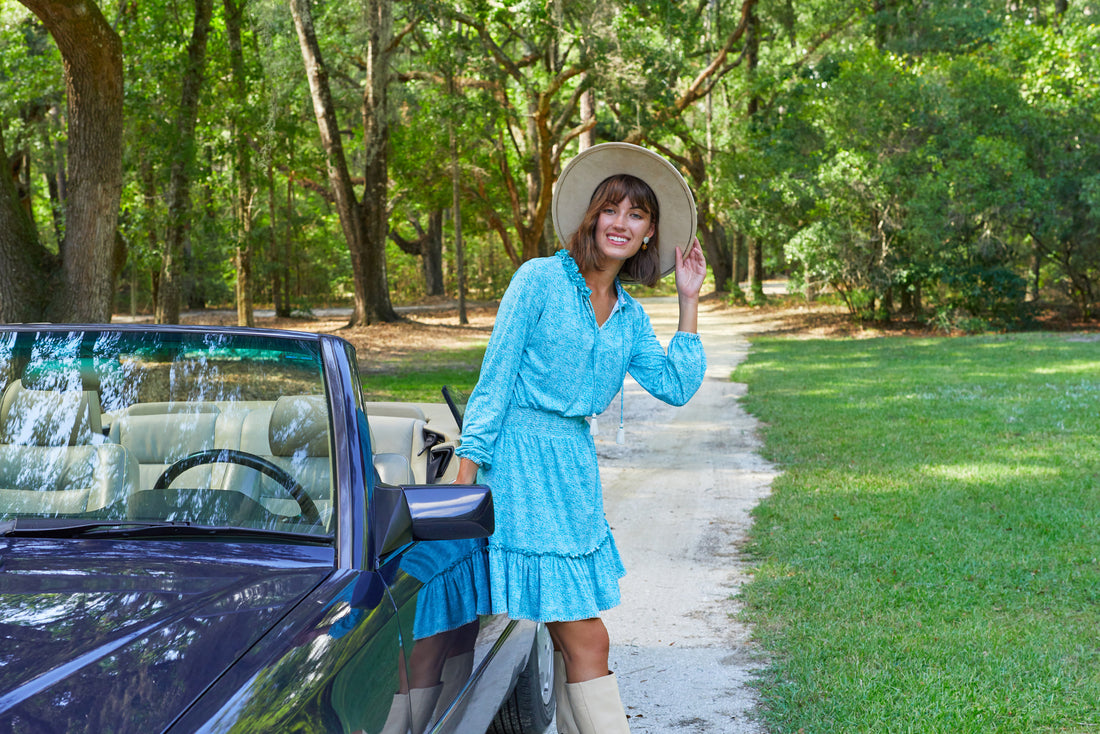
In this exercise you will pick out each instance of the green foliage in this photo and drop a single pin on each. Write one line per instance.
(927, 560)
(934, 157)
(875, 149)
(993, 292)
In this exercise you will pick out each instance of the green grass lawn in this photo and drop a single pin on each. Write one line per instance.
(929, 561)
(420, 378)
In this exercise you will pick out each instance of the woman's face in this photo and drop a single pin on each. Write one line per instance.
(620, 229)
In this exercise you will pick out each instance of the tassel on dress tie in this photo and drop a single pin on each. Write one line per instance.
(594, 422)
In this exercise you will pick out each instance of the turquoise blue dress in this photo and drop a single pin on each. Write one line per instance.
(547, 368)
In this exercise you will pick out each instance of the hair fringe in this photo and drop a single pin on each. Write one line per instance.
(644, 266)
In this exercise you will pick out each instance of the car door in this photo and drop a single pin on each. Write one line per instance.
(439, 590)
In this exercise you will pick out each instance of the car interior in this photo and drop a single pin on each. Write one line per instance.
(84, 436)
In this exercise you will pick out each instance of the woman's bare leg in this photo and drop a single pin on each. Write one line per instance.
(584, 645)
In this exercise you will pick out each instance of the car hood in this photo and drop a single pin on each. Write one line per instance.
(123, 636)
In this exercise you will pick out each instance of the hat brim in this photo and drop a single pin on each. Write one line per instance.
(576, 184)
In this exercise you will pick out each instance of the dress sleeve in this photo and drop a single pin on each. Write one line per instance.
(673, 377)
(519, 312)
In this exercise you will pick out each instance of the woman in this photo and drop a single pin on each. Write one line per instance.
(565, 336)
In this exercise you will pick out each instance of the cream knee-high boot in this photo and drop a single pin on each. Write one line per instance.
(422, 701)
(597, 708)
(398, 720)
(564, 716)
(456, 671)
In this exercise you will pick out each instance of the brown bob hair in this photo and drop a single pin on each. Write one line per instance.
(645, 266)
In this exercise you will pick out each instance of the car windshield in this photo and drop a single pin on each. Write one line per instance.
(188, 428)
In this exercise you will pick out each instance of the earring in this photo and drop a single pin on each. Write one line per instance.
(645, 242)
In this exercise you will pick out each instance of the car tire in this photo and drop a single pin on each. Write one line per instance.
(530, 707)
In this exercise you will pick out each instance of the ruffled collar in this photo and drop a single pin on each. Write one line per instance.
(573, 272)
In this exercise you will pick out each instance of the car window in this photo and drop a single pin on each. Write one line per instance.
(209, 428)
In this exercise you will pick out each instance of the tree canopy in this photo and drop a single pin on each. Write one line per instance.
(932, 158)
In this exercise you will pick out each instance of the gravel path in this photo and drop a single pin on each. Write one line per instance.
(678, 496)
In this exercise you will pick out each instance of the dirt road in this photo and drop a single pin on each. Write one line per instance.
(678, 496)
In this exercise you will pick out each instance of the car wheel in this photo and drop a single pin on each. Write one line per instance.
(530, 708)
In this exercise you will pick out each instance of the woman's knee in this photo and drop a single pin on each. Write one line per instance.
(584, 645)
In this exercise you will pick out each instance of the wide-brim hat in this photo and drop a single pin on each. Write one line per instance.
(588, 169)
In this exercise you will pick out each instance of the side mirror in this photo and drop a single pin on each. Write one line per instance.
(403, 515)
(450, 511)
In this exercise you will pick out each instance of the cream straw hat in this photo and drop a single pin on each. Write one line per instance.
(576, 184)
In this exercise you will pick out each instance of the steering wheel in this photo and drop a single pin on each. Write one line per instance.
(310, 513)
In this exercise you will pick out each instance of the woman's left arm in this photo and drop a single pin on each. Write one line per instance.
(691, 269)
(676, 375)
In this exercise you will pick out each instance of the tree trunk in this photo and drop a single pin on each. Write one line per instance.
(752, 58)
(1034, 283)
(714, 239)
(756, 271)
(376, 143)
(55, 161)
(243, 205)
(588, 120)
(20, 162)
(534, 238)
(79, 288)
(170, 295)
(428, 248)
(737, 269)
(546, 133)
(456, 208)
(273, 241)
(359, 222)
(713, 232)
(738, 257)
(24, 262)
(431, 255)
(710, 232)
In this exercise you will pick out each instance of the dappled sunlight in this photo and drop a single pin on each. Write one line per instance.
(990, 473)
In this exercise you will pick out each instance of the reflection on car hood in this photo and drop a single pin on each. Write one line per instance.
(124, 635)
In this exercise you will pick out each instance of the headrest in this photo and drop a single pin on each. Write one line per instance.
(299, 423)
(48, 417)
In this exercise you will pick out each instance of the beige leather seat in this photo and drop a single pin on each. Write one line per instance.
(292, 433)
(160, 434)
(51, 480)
(53, 459)
(398, 436)
(32, 417)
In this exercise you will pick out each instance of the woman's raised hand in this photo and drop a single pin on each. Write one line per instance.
(691, 269)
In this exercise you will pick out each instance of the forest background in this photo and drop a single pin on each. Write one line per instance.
(929, 158)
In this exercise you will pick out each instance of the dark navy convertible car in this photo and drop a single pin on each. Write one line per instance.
(209, 530)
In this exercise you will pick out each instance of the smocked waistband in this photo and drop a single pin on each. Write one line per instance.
(543, 422)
